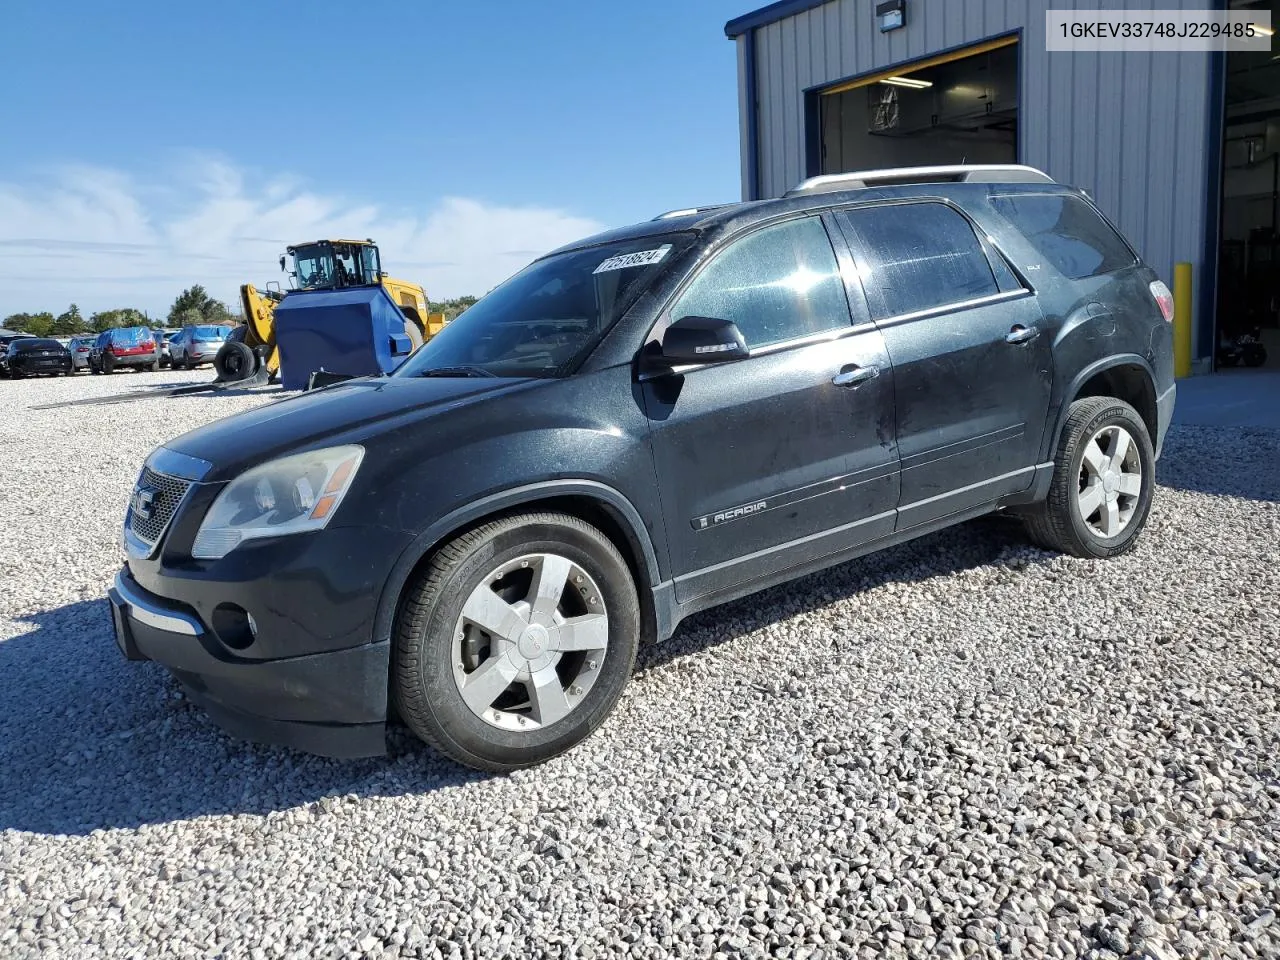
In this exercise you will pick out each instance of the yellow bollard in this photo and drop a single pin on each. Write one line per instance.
(1182, 319)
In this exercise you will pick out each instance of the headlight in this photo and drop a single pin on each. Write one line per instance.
(289, 495)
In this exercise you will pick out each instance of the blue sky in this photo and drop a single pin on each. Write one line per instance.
(152, 145)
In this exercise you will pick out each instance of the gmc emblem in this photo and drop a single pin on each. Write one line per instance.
(144, 500)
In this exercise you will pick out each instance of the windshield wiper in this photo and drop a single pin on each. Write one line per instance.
(458, 371)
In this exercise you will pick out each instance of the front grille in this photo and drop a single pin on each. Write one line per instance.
(168, 493)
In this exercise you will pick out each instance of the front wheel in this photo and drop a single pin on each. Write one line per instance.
(1103, 482)
(234, 361)
(516, 642)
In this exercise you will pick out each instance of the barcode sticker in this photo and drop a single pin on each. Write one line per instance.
(641, 258)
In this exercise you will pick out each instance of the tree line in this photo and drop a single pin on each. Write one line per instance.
(192, 306)
(450, 308)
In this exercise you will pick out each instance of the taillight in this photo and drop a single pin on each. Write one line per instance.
(1163, 298)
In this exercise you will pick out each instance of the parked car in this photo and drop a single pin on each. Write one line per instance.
(165, 338)
(79, 349)
(7, 337)
(124, 347)
(31, 356)
(639, 426)
(196, 345)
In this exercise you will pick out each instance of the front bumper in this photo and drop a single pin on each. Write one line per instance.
(332, 703)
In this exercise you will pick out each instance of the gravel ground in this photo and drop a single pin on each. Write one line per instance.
(959, 747)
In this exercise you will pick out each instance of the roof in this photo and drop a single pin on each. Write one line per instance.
(766, 15)
(304, 243)
(733, 216)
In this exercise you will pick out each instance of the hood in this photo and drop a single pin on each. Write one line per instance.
(345, 413)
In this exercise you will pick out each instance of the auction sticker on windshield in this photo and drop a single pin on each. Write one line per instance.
(641, 258)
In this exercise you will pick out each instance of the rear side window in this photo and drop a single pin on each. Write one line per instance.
(776, 284)
(918, 256)
(1067, 232)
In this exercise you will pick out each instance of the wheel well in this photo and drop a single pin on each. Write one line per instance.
(1127, 382)
(599, 514)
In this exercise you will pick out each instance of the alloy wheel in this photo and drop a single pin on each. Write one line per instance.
(530, 642)
(1110, 481)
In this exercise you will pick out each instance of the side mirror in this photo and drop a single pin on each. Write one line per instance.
(703, 340)
(282, 264)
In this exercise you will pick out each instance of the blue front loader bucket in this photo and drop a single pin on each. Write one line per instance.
(355, 332)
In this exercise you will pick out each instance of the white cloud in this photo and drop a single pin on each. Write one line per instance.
(103, 239)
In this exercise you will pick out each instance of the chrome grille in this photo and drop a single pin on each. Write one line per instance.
(169, 492)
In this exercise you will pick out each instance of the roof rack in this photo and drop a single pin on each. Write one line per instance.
(688, 211)
(961, 173)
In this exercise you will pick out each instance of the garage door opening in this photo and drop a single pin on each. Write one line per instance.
(959, 107)
(1248, 314)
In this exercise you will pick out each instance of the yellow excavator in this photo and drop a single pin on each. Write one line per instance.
(319, 265)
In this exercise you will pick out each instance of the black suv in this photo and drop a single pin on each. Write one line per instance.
(638, 426)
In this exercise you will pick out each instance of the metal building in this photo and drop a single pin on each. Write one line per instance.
(1150, 135)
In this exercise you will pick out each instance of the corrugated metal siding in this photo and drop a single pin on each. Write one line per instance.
(1129, 128)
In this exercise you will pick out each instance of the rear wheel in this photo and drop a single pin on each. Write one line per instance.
(516, 641)
(1103, 481)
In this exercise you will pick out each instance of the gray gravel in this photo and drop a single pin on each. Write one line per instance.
(960, 747)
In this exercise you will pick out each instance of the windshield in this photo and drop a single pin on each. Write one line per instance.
(322, 266)
(543, 320)
(211, 333)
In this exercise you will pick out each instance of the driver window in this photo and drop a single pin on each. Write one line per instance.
(776, 284)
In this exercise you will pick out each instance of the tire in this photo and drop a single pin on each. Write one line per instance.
(412, 331)
(428, 657)
(234, 362)
(1059, 522)
(1254, 354)
(155, 366)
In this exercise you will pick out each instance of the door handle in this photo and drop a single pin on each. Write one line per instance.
(856, 376)
(1021, 334)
